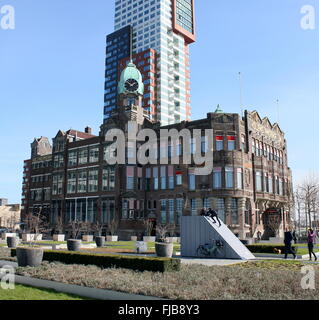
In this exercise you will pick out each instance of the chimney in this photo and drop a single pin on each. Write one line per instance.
(88, 130)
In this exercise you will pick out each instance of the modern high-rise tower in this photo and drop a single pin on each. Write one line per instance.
(167, 27)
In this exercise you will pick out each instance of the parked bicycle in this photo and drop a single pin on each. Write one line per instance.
(210, 249)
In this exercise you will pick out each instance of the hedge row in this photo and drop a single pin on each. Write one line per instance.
(269, 248)
(109, 261)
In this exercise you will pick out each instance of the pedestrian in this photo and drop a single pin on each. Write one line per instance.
(203, 212)
(287, 240)
(311, 242)
(213, 214)
(258, 235)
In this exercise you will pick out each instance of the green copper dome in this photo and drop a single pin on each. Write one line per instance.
(131, 73)
(219, 110)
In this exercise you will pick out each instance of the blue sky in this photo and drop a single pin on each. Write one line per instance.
(52, 72)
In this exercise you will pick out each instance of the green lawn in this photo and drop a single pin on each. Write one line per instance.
(22, 292)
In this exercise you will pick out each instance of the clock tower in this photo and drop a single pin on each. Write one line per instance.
(130, 94)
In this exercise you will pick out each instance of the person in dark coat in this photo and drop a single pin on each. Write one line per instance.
(288, 249)
(311, 243)
(203, 212)
(213, 214)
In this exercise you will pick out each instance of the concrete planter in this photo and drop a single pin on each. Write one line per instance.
(172, 239)
(4, 236)
(164, 250)
(87, 238)
(12, 242)
(59, 237)
(29, 257)
(100, 241)
(31, 237)
(133, 238)
(74, 245)
(112, 238)
(149, 239)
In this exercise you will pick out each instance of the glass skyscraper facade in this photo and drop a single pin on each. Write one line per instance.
(167, 27)
(118, 46)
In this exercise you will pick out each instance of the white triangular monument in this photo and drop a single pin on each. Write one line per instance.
(217, 242)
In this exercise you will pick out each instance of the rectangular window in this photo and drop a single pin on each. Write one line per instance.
(234, 211)
(259, 185)
(217, 178)
(194, 207)
(91, 210)
(231, 142)
(71, 187)
(94, 155)
(191, 180)
(179, 178)
(179, 210)
(130, 178)
(171, 177)
(171, 211)
(219, 143)
(82, 182)
(240, 178)
(229, 177)
(163, 212)
(83, 156)
(93, 180)
(221, 209)
(163, 178)
(155, 177)
(57, 184)
(271, 184)
(73, 158)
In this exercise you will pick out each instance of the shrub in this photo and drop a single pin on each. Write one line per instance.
(268, 248)
(109, 261)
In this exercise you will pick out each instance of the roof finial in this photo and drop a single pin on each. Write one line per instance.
(218, 109)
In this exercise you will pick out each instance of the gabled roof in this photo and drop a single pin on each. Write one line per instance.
(80, 134)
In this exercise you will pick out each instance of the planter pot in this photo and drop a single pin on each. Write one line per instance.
(172, 239)
(87, 238)
(29, 257)
(59, 237)
(99, 241)
(133, 238)
(6, 235)
(149, 239)
(12, 242)
(31, 237)
(112, 238)
(74, 245)
(164, 250)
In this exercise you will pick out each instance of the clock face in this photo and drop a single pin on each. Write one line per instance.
(131, 85)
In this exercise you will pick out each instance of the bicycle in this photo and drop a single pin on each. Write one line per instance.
(209, 250)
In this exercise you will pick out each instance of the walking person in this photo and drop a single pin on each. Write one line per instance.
(311, 243)
(213, 214)
(288, 239)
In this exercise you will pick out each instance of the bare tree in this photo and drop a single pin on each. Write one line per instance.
(274, 224)
(112, 227)
(76, 228)
(149, 225)
(98, 227)
(162, 230)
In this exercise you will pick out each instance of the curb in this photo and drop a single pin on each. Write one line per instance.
(93, 293)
